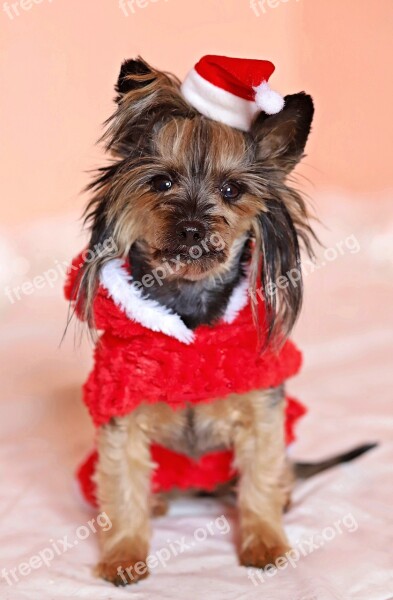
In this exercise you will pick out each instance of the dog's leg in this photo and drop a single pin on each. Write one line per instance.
(123, 490)
(253, 424)
(123, 479)
(260, 458)
(286, 483)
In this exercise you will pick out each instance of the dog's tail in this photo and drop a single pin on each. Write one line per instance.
(304, 470)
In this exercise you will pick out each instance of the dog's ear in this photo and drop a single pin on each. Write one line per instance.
(146, 99)
(281, 138)
(280, 141)
(134, 74)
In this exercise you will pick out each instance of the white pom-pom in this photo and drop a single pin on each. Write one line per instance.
(268, 100)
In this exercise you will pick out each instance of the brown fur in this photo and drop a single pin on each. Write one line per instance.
(155, 133)
(252, 424)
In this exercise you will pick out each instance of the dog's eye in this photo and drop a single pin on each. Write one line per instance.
(161, 183)
(230, 191)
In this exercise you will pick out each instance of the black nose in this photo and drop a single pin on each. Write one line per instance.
(190, 233)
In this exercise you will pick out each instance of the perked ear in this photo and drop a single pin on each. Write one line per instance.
(146, 97)
(281, 138)
(134, 74)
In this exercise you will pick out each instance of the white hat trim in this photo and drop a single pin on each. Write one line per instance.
(218, 104)
(116, 279)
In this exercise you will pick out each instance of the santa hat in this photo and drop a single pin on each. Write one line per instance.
(232, 90)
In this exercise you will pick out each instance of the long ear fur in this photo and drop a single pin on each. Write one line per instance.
(146, 98)
(280, 141)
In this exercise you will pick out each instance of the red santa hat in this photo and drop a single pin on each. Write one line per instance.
(232, 90)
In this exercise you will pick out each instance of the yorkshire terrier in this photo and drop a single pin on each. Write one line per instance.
(206, 229)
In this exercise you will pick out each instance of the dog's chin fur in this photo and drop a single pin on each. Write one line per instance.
(190, 269)
(154, 134)
(211, 264)
(195, 270)
(198, 291)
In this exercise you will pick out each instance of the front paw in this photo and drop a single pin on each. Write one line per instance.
(259, 554)
(122, 571)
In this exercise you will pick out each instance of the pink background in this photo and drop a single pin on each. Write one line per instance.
(60, 58)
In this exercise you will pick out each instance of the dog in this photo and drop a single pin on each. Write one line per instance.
(205, 226)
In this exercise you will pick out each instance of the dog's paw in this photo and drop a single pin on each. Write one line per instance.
(159, 505)
(258, 554)
(122, 571)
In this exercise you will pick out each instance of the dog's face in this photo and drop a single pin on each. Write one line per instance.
(197, 202)
(190, 189)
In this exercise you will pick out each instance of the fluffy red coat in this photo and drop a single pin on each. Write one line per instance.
(135, 364)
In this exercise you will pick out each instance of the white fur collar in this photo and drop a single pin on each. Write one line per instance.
(117, 281)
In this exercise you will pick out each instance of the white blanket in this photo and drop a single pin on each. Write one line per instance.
(340, 524)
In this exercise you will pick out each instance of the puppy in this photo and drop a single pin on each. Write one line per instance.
(205, 229)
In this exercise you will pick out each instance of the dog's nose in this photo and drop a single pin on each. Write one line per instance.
(190, 233)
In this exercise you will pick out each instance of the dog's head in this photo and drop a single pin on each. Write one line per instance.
(183, 185)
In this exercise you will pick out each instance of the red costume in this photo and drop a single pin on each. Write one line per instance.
(147, 354)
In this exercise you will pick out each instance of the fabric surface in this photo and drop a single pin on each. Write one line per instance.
(345, 333)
